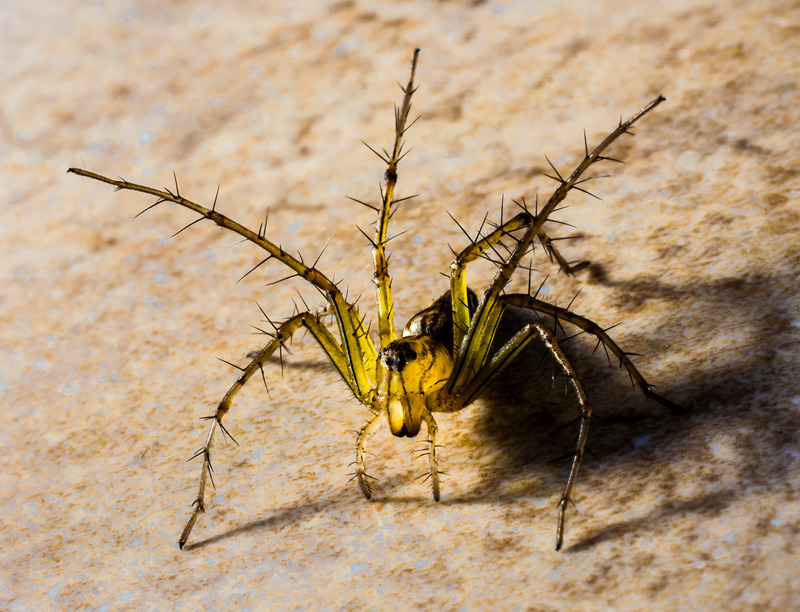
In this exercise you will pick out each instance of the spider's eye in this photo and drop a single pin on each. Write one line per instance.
(397, 355)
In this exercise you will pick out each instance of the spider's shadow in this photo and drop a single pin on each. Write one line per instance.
(523, 422)
(526, 419)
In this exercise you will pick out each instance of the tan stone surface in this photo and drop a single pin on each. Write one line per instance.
(111, 329)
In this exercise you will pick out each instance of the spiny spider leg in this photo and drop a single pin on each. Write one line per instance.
(370, 428)
(549, 340)
(383, 282)
(554, 255)
(358, 348)
(361, 446)
(523, 300)
(356, 358)
(433, 462)
(500, 360)
(282, 335)
(505, 355)
(547, 243)
(471, 353)
(458, 280)
(473, 334)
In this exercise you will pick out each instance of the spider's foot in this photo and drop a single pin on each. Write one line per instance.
(198, 509)
(676, 408)
(364, 484)
(562, 507)
(434, 466)
(435, 485)
(433, 476)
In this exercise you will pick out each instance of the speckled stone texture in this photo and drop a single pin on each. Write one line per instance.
(111, 328)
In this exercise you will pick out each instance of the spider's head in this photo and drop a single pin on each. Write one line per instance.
(411, 371)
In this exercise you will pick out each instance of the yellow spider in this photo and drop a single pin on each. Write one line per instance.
(445, 357)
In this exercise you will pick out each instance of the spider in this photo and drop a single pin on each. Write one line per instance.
(445, 356)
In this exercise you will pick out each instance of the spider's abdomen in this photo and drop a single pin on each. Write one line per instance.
(411, 371)
(436, 321)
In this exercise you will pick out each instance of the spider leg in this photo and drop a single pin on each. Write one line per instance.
(554, 255)
(433, 462)
(330, 347)
(383, 282)
(361, 468)
(500, 360)
(370, 428)
(358, 348)
(523, 300)
(458, 274)
(585, 407)
(473, 337)
(547, 243)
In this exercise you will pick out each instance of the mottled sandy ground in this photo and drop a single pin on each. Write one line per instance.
(111, 328)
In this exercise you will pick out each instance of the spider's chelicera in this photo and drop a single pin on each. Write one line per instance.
(445, 356)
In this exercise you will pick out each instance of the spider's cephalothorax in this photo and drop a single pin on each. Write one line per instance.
(446, 355)
(411, 373)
